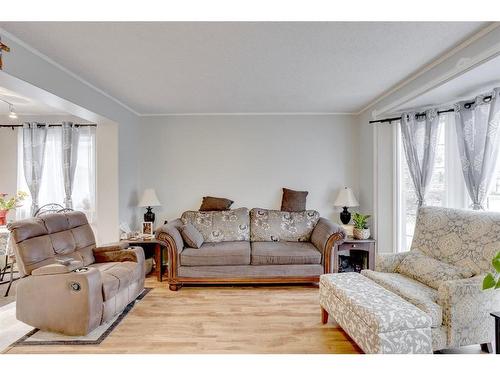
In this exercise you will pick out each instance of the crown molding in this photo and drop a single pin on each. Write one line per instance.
(464, 44)
(65, 70)
(249, 114)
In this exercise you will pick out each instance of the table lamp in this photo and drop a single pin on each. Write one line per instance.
(345, 198)
(149, 200)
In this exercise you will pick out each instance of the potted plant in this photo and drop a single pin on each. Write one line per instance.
(7, 204)
(493, 280)
(361, 230)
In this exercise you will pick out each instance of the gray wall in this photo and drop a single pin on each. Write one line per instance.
(248, 158)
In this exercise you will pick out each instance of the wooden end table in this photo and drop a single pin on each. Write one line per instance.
(361, 246)
(158, 257)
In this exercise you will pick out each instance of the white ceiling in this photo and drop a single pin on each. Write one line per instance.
(471, 83)
(238, 67)
(23, 105)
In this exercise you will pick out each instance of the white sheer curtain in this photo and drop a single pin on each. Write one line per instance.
(52, 182)
(478, 136)
(34, 137)
(70, 140)
(420, 135)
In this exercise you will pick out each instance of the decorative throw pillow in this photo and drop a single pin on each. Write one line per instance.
(215, 204)
(271, 225)
(430, 271)
(217, 226)
(293, 201)
(191, 236)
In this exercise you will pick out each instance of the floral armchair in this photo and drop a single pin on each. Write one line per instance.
(442, 274)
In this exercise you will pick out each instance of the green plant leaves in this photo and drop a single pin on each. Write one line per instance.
(489, 281)
(496, 262)
(360, 220)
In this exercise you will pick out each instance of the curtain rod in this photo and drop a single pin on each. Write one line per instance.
(399, 118)
(41, 125)
(467, 105)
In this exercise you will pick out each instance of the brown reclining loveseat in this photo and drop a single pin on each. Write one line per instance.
(68, 284)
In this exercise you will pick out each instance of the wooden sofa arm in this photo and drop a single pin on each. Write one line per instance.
(169, 236)
(325, 236)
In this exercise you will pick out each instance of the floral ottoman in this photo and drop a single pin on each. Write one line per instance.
(378, 320)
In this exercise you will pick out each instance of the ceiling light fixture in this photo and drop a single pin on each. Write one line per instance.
(12, 111)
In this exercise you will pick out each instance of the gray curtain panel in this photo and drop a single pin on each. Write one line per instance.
(478, 138)
(34, 139)
(70, 139)
(419, 142)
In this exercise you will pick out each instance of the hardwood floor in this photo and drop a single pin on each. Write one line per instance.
(264, 319)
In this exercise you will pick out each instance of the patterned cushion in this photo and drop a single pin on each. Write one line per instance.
(430, 271)
(218, 226)
(460, 237)
(371, 302)
(378, 320)
(271, 225)
(418, 294)
(191, 236)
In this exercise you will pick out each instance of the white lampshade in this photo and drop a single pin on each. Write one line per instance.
(346, 198)
(149, 198)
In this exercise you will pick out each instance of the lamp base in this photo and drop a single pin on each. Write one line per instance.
(345, 216)
(149, 215)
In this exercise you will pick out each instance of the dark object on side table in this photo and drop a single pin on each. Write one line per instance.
(149, 215)
(345, 198)
(345, 216)
(149, 200)
(354, 255)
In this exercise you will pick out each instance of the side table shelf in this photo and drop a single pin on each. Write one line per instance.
(354, 255)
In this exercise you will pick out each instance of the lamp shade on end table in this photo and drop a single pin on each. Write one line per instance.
(345, 198)
(149, 200)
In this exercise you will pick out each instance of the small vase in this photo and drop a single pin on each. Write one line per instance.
(361, 234)
(3, 217)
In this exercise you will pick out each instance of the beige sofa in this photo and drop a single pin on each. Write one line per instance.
(68, 284)
(442, 274)
(256, 246)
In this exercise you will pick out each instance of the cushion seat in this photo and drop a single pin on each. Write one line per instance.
(217, 254)
(284, 252)
(420, 295)
(116, 276)
(378, 320)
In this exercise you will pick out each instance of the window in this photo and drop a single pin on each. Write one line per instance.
(447, 186)
(407, 200)
(52, 185)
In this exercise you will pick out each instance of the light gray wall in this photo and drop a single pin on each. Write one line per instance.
(248, 158)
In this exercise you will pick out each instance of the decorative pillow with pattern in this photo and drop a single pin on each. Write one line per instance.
(273, 225)
(219, 226)
(430, 271)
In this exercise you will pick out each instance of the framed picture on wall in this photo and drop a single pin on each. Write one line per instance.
(147, 228)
